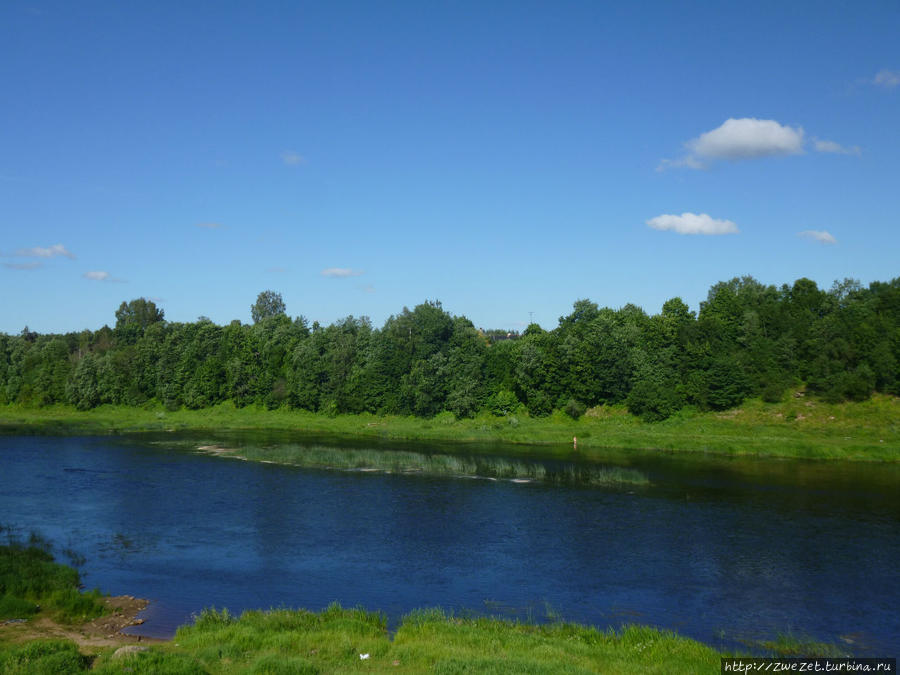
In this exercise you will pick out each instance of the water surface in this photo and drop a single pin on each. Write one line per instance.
(725, 551)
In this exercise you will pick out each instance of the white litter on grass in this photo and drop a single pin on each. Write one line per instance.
(363, 657)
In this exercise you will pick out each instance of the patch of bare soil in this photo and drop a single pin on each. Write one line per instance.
(104, 631)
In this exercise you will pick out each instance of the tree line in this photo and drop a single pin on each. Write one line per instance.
(747, 340)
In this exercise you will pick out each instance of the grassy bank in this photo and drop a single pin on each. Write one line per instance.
(800, 427)
(339, 640)
(32, 584)
(335, 640)
(42, 592)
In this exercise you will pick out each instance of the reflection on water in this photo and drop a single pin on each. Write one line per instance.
(721, 550)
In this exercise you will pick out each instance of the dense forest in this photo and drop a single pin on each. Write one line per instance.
(747, 340)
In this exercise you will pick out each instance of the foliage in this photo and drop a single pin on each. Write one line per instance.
(747, 340)
(268, 304)
(653, 400)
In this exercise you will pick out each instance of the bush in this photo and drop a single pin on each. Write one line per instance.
(574, 408)
(654, 401)
(773, 392)
(502, 403)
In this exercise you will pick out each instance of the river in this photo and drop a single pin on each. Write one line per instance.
(730, 552)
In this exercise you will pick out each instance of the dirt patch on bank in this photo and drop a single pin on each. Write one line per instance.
(104, 631)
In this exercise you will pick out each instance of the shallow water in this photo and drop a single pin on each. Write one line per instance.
(725, 551)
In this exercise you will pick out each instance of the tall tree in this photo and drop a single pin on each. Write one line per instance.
(268, 304)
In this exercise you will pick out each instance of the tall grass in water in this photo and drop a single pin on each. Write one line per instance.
(30, 580)
(393, 461)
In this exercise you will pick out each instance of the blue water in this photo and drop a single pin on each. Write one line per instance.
(722, 551)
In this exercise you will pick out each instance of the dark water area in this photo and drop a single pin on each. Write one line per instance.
(724, 551)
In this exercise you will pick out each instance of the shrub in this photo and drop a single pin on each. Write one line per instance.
(654, 401)
(574, 408)
(502, 403)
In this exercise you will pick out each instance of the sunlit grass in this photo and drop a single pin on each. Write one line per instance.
(31, 582)
(800, 427)
(338, 640)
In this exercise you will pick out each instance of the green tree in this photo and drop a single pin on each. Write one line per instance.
(133, 318)
(268, 304)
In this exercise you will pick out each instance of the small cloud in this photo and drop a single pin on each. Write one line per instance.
(292, 158)
(738, 139)
(685, 162)
(23, 266)
(693, 223)
(99, 275)
(49, 252)
(887, 79)
(835, 148)
(340, 272)
(747, 138)
(210, 226)
(821, 236)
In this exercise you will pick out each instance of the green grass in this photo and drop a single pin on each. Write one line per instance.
(31, 583)
(800, 427)
(437, 464)
(791, 645)
(331, 641)
(43, 657)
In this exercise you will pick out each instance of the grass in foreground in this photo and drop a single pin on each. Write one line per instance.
(340, 640)
(31, 583)
(800, 427)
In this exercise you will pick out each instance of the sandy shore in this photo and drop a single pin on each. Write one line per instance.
(105, 631)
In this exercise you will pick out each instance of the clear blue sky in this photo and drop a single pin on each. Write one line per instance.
(502, 157)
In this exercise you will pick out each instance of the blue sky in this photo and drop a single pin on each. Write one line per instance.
(506, 158)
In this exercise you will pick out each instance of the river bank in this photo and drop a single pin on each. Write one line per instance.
(799, 427)
(47, 625)
(350, 640)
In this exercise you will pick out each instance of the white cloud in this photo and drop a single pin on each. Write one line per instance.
(292, 158)
(821, 236)
(99, 275)
(687, 162)
(210, 226)
(887, 78)
(836, 148)
(747, 138)
(340, 272)
(736, 139)
(96, 276)
(49, 252)
(23, 266)
(693, 223)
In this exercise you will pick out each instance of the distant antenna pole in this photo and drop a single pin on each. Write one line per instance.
(530, 318)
